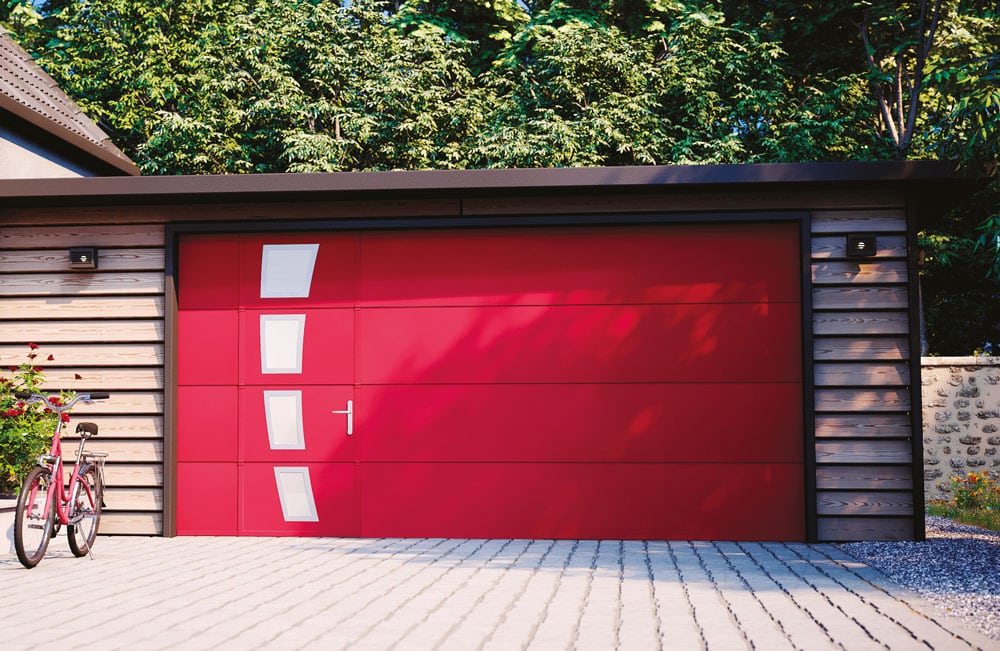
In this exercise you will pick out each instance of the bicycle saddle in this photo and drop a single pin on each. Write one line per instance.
(86, 430)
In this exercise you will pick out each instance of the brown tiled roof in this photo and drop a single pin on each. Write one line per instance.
(32, 95)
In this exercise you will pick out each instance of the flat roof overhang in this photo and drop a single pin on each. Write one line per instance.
(926, 176)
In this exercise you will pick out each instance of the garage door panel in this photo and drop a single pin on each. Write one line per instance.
(314, 499)
(581, 422)
(287, 271)
(288, 424)
(208, 347)
(682, 264)
(207, 499)
(539, 344)
(209, 266)
(673, 501)
(313, 346)
(207, 423)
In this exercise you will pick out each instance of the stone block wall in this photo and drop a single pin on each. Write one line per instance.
(961, 414)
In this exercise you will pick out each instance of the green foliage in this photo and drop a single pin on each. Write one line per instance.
(25, 429)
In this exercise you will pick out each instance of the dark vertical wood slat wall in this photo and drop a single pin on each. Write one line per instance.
(863, 397)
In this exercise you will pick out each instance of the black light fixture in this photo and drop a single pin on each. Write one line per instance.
(861, 246)
(83, 257)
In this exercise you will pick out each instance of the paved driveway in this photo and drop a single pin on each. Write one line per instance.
(285, 593)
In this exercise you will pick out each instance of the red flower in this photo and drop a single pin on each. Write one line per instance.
(51, 358)
(32, 355)
(77, 376)
(65, 418)
(13, 369)
(32, 346)
(38, 369)
(56, 400)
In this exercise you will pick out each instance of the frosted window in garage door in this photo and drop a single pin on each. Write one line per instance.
(284, 420)
(296, 494)
(287, 269)
(281, 342)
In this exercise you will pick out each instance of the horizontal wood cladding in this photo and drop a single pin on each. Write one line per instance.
(96, 283)
(30, 261)
(861, 323)
(125, 451)
(81, 307)
(82, 331)
(846, 529)
(77, 355)
(84, 228)
(838, 273)
(104, 330)
(124, 402)
(131, 523)
(863, 297)
(863, 395)
(862, 503)
(106, 378)
(864, 477)
(862, 426)
(872, 220)
(861, 374)
(867, 452)
(126, 427)
(835, 247)
(134, 499)
(868, 400)
(860, 348)
(133, 474)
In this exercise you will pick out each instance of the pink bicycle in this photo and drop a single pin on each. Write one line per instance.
(46, 501)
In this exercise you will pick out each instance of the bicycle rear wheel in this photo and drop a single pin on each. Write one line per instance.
(85, 517)
(33, 522)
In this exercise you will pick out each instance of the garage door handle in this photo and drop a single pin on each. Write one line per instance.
(350, 416)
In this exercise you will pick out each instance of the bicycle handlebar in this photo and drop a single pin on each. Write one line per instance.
(86, 398)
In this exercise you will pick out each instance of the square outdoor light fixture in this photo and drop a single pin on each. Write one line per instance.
(861, 246)
(83, 257)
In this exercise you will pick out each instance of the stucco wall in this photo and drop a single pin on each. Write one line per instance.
(21, 158)
(961, 413)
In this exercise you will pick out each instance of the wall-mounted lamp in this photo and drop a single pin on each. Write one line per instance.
(861, 246)
(83, 257)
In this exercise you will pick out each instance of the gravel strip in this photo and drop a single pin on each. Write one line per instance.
(957, 569)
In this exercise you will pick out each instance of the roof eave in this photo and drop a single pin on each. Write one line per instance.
(83, 145)
(344, 185)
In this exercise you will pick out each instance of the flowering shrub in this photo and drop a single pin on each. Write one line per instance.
(977, 491)
(976, 500)
(25, 429)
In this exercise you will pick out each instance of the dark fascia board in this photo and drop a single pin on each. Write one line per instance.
(119, 164)
(353, 185)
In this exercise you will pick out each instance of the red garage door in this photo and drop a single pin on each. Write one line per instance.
(627, 382)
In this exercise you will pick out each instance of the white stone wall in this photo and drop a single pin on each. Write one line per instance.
(961, 414)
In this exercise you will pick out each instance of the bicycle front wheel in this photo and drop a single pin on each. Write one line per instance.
(34, 523)
(88, 495)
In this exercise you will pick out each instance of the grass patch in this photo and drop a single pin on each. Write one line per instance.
(976, 501)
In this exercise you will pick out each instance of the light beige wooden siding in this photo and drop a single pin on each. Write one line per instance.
(862, 376)
(105, 326)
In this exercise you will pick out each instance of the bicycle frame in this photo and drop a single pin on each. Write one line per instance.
(53, 462)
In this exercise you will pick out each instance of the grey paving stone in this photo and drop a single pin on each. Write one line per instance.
(282, 593)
